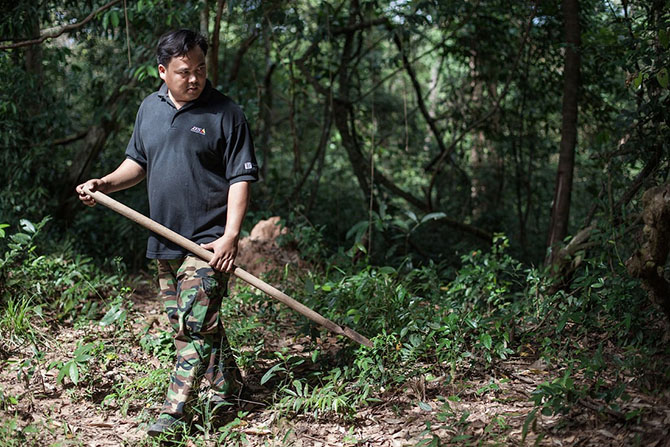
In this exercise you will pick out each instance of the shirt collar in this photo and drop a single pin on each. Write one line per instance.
(204, 96)
(162, 91)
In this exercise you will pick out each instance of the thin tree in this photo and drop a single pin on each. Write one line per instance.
(560, 212)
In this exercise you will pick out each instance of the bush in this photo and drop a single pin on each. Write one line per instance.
(31, 282)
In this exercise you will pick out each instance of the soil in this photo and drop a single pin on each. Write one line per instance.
(491, 408)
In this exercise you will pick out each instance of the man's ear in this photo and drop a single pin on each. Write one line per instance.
(162, 71)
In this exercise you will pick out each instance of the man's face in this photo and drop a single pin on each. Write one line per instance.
(185, 76)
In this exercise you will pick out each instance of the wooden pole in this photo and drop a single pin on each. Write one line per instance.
(206, 255)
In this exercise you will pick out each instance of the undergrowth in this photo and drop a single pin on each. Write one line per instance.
(428, 324)
(70, 285)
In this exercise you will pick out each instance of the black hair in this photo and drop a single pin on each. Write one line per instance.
(177, 43)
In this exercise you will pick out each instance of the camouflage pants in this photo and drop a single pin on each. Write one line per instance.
(192, 292)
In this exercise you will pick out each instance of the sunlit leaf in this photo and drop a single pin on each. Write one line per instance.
(425, 406)
(271, 372)
(62, 372)
(27, 225)
(73, 373)
(486, 340)
(433, 216)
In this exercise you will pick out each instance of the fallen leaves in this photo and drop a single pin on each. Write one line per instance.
(478, 406)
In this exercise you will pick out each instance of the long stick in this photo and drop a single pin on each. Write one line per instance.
(207, 256)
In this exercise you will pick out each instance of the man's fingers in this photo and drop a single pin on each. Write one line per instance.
(87, 200)
(83, 196)
(223, 264)
(216, 262)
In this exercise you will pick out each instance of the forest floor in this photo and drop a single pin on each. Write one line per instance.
(120, 390)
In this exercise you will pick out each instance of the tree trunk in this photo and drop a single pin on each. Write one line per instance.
(430, 119)
(213, 64)
(266, 112)
(297, 155)
(648, 262)
(33, 53)
(478, 184)
(204, 19)
(560, 213)
(342, 105)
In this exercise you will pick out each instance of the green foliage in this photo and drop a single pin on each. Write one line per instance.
(160, 345)
(482, 314)
(309, 240)
(27, 367)
(456, 423)
(488, 280)
(6, 401)
(13, 435)
(227, 435)
(335, 391)
(557, 396)
(75, 367)
(29, 280)
(243, 312)
(421, 322)
(117, 313)
(16, 327)
(149, 388)
(285, 367)
(331, 398)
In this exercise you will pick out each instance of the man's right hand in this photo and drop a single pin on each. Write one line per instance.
(94, 184)
(129, 173)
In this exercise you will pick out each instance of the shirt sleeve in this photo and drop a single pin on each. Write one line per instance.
(135, 150)
(239, 157)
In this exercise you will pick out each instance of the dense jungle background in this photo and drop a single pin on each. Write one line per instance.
(480, 187)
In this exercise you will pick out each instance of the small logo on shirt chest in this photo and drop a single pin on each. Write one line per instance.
(200, 130)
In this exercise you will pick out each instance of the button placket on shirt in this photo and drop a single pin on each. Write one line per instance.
(178, 112)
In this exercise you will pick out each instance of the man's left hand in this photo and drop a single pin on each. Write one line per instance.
(225, 252)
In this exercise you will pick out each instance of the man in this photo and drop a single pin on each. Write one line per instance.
(194, 147)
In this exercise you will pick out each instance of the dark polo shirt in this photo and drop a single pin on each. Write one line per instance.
(191, 157)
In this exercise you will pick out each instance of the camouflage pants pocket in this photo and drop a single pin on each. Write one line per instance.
(199, 297)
